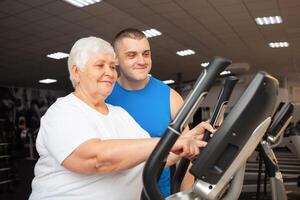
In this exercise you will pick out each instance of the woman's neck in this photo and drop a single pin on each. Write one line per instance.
(97, 103)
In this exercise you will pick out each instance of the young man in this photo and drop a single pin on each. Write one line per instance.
(149, 101)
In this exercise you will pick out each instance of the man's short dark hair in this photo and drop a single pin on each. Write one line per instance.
(132, 33)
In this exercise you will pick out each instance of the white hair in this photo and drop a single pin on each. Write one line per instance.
(83, 49)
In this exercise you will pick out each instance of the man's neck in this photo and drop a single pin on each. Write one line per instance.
(132, 84)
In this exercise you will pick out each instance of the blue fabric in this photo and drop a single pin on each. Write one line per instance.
(150, 107)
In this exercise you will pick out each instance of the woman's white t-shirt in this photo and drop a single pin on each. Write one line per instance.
(68, 123)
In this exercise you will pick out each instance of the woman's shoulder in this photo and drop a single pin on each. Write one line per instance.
(63, 105)
(116, 109)
(119, 111)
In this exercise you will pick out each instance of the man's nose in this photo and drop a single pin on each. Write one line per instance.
(141, 59)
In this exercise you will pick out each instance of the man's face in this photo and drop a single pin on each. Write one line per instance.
(134, 58)
(98, 76)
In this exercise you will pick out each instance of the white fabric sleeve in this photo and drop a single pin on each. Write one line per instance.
(64, 130)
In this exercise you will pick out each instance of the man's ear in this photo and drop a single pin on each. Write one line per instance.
(117, 61)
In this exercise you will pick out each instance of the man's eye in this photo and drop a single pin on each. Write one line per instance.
(131, 55)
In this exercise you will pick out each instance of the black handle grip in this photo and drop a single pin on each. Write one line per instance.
(201, 87)
(280, 119)
(206, 136)
(222, 101)
(161, 151)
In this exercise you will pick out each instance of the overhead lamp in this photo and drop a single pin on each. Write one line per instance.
(58, 55)
(82, 3)
(186, 52)
(151, 33)
(47, 81)
(169, 82)
(278, 44)
(226, 72)
(205, 64)
(268, 20)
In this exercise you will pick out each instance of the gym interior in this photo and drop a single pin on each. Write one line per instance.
(201, 49)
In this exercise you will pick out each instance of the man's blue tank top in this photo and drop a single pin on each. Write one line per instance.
(150, 107)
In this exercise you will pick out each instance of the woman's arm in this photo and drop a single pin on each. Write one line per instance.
(106, 156)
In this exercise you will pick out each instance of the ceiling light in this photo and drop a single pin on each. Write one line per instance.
(151, 33)
(278, 44)
(226, 72)
(58, 55)
(268, 20)
(47, 81)
(187, 52)
(205, 64)
(81, 3)
(169, 82)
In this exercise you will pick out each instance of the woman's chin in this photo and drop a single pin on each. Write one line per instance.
(106, 94)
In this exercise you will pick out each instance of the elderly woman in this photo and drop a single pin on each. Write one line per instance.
(92, 150)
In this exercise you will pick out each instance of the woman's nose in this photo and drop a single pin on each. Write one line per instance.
(109, 71)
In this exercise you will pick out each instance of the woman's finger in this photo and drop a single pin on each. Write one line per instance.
(201, 143)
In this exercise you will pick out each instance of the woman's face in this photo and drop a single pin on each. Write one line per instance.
(98, 76)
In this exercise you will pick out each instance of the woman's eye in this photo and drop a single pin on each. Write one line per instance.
(113, 67)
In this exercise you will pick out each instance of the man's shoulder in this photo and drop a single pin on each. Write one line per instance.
(158, 82)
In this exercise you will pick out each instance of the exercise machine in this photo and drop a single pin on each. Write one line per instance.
(227, 151)
(272, 139)
(183, 117)
(275, 131)
(215, 121)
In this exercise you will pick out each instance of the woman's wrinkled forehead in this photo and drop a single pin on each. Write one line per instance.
(103, 57)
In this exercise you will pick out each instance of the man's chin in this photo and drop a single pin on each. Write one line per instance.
(141, 77)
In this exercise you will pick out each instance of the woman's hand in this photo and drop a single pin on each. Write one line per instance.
(199, 130)
(188, 144)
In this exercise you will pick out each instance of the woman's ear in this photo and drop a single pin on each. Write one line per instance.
(75, 73)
